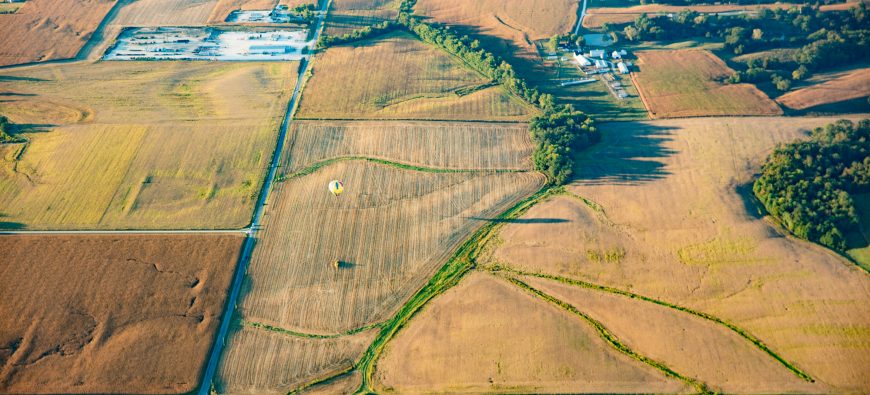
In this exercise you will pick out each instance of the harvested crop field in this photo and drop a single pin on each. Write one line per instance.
(132, 145)
(110, 313)
(348, 15)
(223, 8)
(669, 216)
(688, 83)
(506, 27)
(486, 335)
(596, 17)
(142, 13)
(398, 77)
(853, 85)
(49, 29)
(261, 361)
(390, 231)
(443, 145)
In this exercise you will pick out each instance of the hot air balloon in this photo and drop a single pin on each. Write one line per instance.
(336, 187)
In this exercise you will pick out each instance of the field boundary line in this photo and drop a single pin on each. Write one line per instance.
(412, 120)
(288, 332)
(265, 189)
(603, 288)
(462, 261)
(123, 231)
(404, 166)
(608, 336)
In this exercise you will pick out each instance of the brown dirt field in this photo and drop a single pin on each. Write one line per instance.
(398, 77)
(686, 83)
(674, 199)
(443, 145)
(258, 361)
(49, 29)
(597, 16)
(851, 86)
(486, 335)
(692, 346)
(165, 13)
(108, 313)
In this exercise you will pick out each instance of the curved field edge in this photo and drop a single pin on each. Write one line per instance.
(608, 336)
(603, 288)
(400, 165)
(465, 259)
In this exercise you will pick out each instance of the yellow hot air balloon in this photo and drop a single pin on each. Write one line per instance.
(336, 187)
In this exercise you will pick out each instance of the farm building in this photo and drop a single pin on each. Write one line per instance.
(622, 68)
(597, 53)
(616, 55)
(584, 61)
(601, 64)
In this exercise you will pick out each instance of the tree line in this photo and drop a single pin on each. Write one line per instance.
(819, 40)
(6, 131)
(558, 132)
(808, 185)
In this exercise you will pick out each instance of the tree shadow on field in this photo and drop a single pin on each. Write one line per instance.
(751, 204)
(630, 153)
(4, 78)
(521, 220)
(10, 225)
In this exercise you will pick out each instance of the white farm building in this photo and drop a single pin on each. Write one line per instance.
(622, 68)
(582, 60)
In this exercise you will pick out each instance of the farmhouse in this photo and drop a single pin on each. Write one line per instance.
(616, 55)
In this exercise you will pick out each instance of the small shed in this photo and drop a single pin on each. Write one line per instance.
(616, 55)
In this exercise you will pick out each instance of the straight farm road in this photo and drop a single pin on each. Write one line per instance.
(580, 18)
(220, 339)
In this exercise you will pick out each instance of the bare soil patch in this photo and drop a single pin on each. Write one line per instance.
(110, 314)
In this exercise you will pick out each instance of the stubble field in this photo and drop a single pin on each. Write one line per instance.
(688, 83)
(504, 146)
(131, 145)
(165, 13)
(348, 15)
(109, 313)
(393, 227)
(668, 215)
(399, 77)
(44, 30)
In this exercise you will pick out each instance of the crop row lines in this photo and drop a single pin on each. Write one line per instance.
(271, 328)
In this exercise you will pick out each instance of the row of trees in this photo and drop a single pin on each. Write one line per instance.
(559, 133)
(359, 34)
(807, 184)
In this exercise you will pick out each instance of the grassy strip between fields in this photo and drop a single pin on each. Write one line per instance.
(288, 332)
(462, 261)
(317, 166)
(734, 328)
(609, 337)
